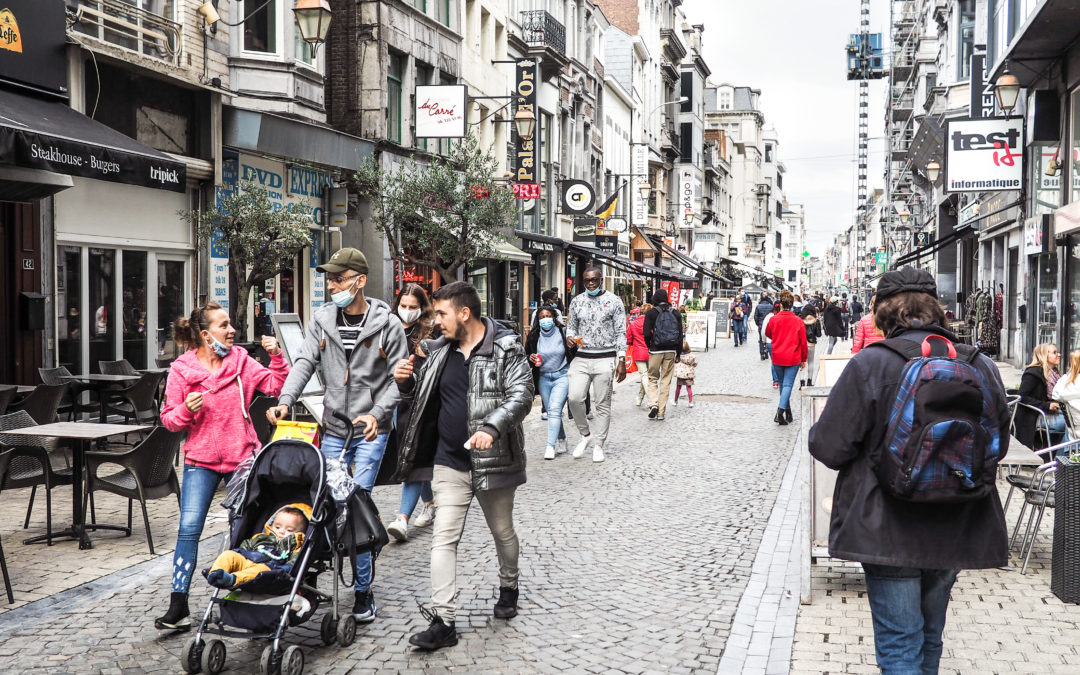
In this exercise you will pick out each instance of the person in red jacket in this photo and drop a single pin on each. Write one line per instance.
(209, 390)
(789, 351)
(637, 349)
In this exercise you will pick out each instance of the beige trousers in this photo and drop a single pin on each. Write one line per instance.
(453, 495)
(661, 367)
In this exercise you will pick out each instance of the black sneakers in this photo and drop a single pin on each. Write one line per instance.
(437, 635)
(178, 617)
(653, 410)
(364, 608)
(506, 607)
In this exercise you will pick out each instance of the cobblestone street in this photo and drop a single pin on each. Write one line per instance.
(633, 565)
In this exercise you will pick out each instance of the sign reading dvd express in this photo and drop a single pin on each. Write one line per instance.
(984, 155)
(32, 50)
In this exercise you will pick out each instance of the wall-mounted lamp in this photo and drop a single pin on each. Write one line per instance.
(313, 22)
(905, 216)
(644, 190)
(1007, 90)
(933, 170)
(524, 123)
(209, 13)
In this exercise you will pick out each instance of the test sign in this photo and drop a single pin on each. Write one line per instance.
(984, 155)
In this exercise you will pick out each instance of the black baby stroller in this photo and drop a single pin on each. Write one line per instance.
(287, 472)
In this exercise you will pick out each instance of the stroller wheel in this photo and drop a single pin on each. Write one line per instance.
(213, 657)
(270, 663)
(191, 657)
(292, 663)
(346, 630)
(328, 630)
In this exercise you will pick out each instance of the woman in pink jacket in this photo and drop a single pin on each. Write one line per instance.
(637, 349)
(207, 395)
(866, 333)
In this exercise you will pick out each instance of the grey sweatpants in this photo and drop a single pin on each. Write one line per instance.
(600, 373)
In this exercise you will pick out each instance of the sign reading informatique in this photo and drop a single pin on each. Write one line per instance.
(440, 110)
(984, 155)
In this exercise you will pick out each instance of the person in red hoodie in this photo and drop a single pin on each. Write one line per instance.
(789, 351)
(207, 395)
(637, 349)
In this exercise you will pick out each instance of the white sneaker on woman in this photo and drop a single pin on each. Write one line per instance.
(399, 529)
(549, 452)
(426, 515)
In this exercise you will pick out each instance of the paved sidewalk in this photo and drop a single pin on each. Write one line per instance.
(637, 564)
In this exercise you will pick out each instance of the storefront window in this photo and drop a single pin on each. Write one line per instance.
(285, 303)
(68, 299)
(260, 29)
(479, 279)
(1046, 196)
(1045, 316)
(170, 305)
(102, 282)
(1073, 160)
(134, 318)
(1072, 315)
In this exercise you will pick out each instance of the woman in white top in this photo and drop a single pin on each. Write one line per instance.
(1067, 389)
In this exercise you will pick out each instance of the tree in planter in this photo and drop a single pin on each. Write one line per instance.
(263, 239)
(445, 214)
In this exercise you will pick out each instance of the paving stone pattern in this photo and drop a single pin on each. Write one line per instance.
(633, 565)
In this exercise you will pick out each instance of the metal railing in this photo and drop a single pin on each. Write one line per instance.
(130, 27)
(541, 29)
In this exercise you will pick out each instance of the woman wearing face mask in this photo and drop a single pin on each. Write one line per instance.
(550, 358)
(207, 395)
(413, 308)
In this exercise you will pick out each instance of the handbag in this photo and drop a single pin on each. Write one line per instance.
(300, 431)
(359, 529)
(631, 364)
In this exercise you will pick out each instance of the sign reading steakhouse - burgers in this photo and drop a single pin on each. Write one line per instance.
(984, 155)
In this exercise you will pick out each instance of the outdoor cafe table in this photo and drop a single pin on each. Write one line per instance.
(100, 383)
(84, 434)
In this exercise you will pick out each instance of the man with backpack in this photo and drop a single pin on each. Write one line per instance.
(845, 315)
(915, 425)
(663, 332)
(764, 308)
(856, 315)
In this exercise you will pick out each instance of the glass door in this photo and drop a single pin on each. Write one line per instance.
(69, 315)
(102, 302)
(1046, 311)
(134, 319)
(171, 284)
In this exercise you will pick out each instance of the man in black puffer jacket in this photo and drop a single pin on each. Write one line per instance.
(469, 399)
(764, 308)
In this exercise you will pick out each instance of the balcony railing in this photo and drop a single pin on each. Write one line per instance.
(130, 27)
(540, 29)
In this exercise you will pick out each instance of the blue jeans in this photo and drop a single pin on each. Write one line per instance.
(785, 375)
(1057, 425)
(908, 606)
(554, 388)
(412, 492)
(196, 494)
(738, 328)
(364, 457)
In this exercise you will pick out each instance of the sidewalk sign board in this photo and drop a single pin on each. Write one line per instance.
(721, 306)
(697, 331)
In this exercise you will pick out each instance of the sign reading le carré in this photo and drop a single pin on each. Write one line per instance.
(984, 155)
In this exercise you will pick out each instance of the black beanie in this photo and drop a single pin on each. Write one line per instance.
(906, 280)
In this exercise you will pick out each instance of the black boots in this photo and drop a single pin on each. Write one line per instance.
(780, 418)
(787, 415)
(177, 618)
(506, 607)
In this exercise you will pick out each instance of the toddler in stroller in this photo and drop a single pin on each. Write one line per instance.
(276, 548)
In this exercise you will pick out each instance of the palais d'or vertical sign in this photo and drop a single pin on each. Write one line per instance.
(525, 86)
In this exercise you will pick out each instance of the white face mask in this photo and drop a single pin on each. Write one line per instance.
(408, 315)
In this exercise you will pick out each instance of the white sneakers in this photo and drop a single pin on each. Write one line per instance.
(426, 515)
(675, 403)
(399, 529)
(549, 452)
(598, 453)
(640, 398)
(560, 447)
(691, 405)
(579, 450)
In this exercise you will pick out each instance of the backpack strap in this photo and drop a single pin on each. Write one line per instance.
(910, 349)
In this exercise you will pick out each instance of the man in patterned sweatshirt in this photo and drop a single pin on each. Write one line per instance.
(597, 329)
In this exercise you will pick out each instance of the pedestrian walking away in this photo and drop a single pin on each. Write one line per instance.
(663, 331)
(413, 308)
(768, 343)
(856, 313)
(845, 314)
(469, 399)
(833, 321)
(550, 357)
(638, 350)
(866, 333)
(685, 370)
(597, 328)
(761, 312)
(813, 332)
(789, 352)
(1036, 388)
(354, 341)
(911, 551)
(208, 392)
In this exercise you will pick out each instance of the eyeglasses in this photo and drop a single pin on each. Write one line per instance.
(338, 280)
(593, 280)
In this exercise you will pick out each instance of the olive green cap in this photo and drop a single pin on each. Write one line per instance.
(345, 259)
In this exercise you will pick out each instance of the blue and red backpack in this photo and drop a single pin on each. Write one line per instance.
(943, 440)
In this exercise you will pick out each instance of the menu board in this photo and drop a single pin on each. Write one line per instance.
(721, 306)
(697, 331)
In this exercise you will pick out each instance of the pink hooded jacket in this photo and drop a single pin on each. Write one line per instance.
(220, 435)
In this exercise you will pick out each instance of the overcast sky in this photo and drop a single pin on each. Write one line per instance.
(793, 51)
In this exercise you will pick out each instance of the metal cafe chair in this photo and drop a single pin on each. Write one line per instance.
(43, 403)
(69, 402)
(121, 367)
(4, 458)
(29, 464)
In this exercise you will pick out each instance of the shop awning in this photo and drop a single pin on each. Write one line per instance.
(627, 265)
(777, 283)
(540, 243)
(687, 261)
(283, 137)
(934, 246)
(37, 133)
(1049, 32)
(507, 251)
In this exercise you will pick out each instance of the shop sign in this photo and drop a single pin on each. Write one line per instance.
(733, 250)
(285, 184)
(881, 258)
(921, 239)
(984, 155)
(531, 246)
(1036, 234)
(577, 197)
(691, 193)
(616, 224)
(1054, 182)
(440, 110)
(992, 206)
(607, 242)
(672, 290)
(32, 45)
(585, 229)
(526, 163)
(639, 170)
(983, 101)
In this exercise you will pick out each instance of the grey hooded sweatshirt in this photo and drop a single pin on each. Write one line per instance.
(361, 385)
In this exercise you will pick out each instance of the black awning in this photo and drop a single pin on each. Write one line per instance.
(40, 134)
(687, 261)
(627, 265)
(540, 243)
(1046, 36)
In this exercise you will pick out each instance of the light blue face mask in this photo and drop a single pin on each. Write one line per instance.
(220, 348)
(547, 323)
(343, 298)
(594, 291)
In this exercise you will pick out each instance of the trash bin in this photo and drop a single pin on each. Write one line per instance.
(1065, 562)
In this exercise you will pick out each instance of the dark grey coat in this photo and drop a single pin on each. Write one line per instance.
(500, 396)
(871, 526)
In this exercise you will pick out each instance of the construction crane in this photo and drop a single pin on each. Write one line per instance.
(865, 62)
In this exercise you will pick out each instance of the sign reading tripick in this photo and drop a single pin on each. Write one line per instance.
(984, 155)
(440, 110)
